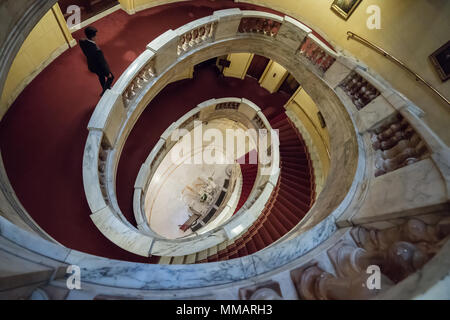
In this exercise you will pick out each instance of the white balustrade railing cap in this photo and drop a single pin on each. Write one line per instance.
(260, 14)
(323, 45)
(132, 71)
(193, 25)
(297, 24)
(162, 40)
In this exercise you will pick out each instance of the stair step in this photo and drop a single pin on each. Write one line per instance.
(259, 243)
(165, 260)
(281, 217)
(300, 148)
(297, 200)
(293, 165)
(213, 258)
(212, 251)
(242, 252)
(178, 260)
(292, 212)
(274, 233)
(299, 179)
(297, 173)
(287, 137)
(294, 154)
(265, 236)
(292, 186)
(251, 248)
(273, 219)
(284, 126)
(202, 255)
(190, 259)
(281, 118)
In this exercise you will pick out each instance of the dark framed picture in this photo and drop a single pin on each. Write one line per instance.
(441, 61)
(344, 8)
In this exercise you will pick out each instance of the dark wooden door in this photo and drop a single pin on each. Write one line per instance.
(290, 85)
(257, 66)
(89, 8)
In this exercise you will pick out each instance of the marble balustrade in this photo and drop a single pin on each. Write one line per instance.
(195, 37)
(204, 112)
(396, 252)
(318, 54)
(265, 26)
(343, 199)
(397, 145)
(359, 90)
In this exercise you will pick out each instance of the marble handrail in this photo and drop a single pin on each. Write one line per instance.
(143, 241)
(203, 112)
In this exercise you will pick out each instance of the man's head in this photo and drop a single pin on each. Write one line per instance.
(90, 33)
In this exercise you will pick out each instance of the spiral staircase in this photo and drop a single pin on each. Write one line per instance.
(315, 241)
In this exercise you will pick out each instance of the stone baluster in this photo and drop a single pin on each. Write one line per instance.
(144, 76)
(180, 45)
(406, 157)
(151, 69)
(401, 145)
(208, 28)
(201, 34)
(390, 142)
(265, 294)
(266, 26)
(138, 82)
(359, 90)
(185, 45)
(414, 230)
(398, 252)
(327, 63)
(316, 55)
(350, 283)
(191, 37)
(197, 38)
(212, 29)
(397, 145)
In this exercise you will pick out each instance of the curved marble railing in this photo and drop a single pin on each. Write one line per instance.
(241, 110)
(163, 58)
(120, 107)
(143, 241)
(352, 194)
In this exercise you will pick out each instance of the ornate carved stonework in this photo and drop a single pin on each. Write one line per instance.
(259, 25)
(269, 290)
(195, 37)
(143, 77)
(398, 252)
(397, 145)
(359, 90)
(316, 55)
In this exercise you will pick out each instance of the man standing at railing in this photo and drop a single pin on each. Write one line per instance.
(96, 60)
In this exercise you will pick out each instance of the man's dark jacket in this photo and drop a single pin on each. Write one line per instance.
(95, 58)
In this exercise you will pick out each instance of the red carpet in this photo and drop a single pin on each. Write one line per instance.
(42, 136)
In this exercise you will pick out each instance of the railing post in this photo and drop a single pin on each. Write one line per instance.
(228, 25)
